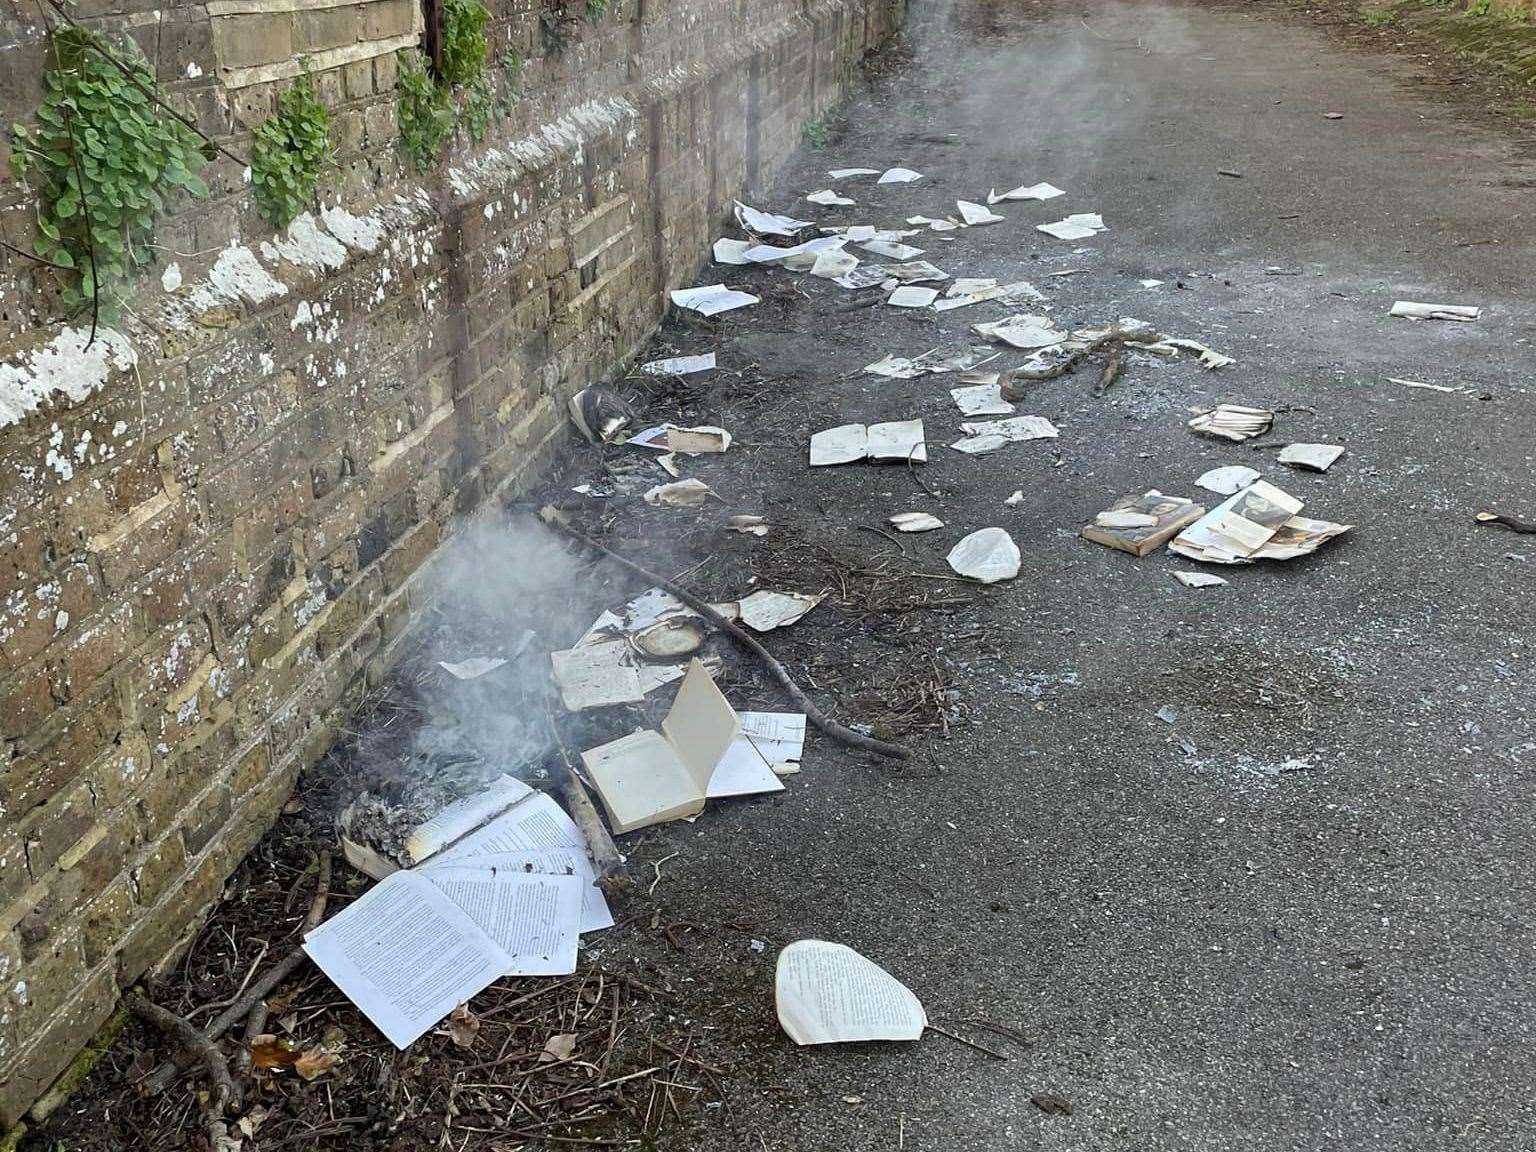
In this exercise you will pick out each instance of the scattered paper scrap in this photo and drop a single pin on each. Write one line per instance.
(910, 296)
(650, 777)
(1234, 422)
(767, 746)
(728, 251)
(680, 365)
(748, 525)
(984, 436)
(1209, 357)
(897, 440)
(767, 223)
(1041, 191)
(1140, 522)
(1079, 226)
(679, 494)
(915, 522)
(846, 173)
(1413, 310)
(1199, 579)
(712, 299)
(763, 611)
(827, 993)
(1312, 457)
(1016, 498)
(1022, 331)
(799, 258)
(917, 272)
(1151, 283)
(596, 676)
(472, 669)
(834, 264)
(981, 400)
(830, 199)
(987, 556)
(1015, 293)
(975, 214)
(701, 440)
(891, 250)
(900, 176)
(945, 225)
(1227, 480)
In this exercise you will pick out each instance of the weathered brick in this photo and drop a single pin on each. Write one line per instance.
(55, 827)
(53, 1046)
(106, 919)
(159, 868)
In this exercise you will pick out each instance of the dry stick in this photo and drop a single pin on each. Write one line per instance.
(1501, 520)
(165, 1075)
(255, 1024)
(201, 1049)
(832, 728)
(605, 853)
(992, 1052)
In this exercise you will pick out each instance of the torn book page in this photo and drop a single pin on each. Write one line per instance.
(1227, 480)
(1236, 529)
(767, 743)
(1199, 579)
(1234, 422)
(704, 439)
(1312, 457)
(1022, 331)
(800, 258)
(865, 277)
(981, 400)
(891, 250)
(846, 173)
(1014, 428)
(897, 368)
(900, 176)
(945, 225)
(915, 522)
(712, 299)
(912, 296)
(917, 272)
(459, 819)
(596, 676)
(976, 215)
(535, 919)
(841, 445)
(473, 668)
(1209, 358)
(1080, 226)
(688, 493)
(827, 993)
(834, 263)
(406, 955)
(680, 365)
(986, 556)
(1413, 310)
(728, 251)
(767, 223)
(763, 611)
(830, 199)
(1142, 521)
(1041, 191)
(563, 862)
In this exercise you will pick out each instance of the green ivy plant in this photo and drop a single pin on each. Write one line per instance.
(288, 152)
(596, 10)
(465, 48)
(426, 114)
(101, 160)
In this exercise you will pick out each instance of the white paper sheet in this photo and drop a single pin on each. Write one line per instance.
(728, 251)
(798, 258)
(712, 299)
(976, 215)
(830, 199)
(900, 441)
(911, 296)
(406, 955)
(535, 919)
(986, 555)
(473, 668)
(891, 250)
(596, 676)
(680, 365)
(1080, 226)
(827, 993)
(845, 173)
(981, 400)
(841, 445)
(767, 223)
(1413, 310)
(1041, 191)
(462, 817)
(573, 861)
(900, 176)
(766, 740)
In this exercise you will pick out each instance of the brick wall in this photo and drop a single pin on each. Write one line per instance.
(213, 511)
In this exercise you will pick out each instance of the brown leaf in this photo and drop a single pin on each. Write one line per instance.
(1051, 1104)
(252, 1121)
(267, 1051)
(463, 1027)
(561, 1046)
(316, 1062)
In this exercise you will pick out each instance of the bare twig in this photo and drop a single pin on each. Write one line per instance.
(223, 1092)
(844, 735)
(955, 1036)
(255, 1025)
(605, 853)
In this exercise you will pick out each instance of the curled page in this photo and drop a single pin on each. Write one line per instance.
(406, 955)
(829, 994)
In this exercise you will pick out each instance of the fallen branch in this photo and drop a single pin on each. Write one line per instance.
(1115, 337)
(165, 1075)
(605, 853)
(1513, 523)
(200, 1049)
(842, 734)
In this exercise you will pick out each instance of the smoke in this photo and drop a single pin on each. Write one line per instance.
(507, 589)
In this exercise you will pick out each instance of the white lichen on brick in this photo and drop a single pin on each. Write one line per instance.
(237, 275)
(170, 279)
(306, 246)
(67, 369)
(361, 232)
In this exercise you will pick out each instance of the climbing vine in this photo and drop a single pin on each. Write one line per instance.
(426, 116)
(465, 49)
(288, 152)
(101, 160)
(596, 10)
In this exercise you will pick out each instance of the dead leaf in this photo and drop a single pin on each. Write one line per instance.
(252, 1121)
(463, 1027)
(316, 1062)
(289, 1022)
(558, 1047)
(267, 1051)
(293, 807)
(1051, 1104)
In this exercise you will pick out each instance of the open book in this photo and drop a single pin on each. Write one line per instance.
(651, 777)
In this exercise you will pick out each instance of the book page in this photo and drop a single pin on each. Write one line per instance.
(700, 726)
(827, 994)
(406, 955)
(463, 817)
(536, 919)
(571, 861)
(596, 676)
(743, 771)
(779, 736)
(641, 780)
